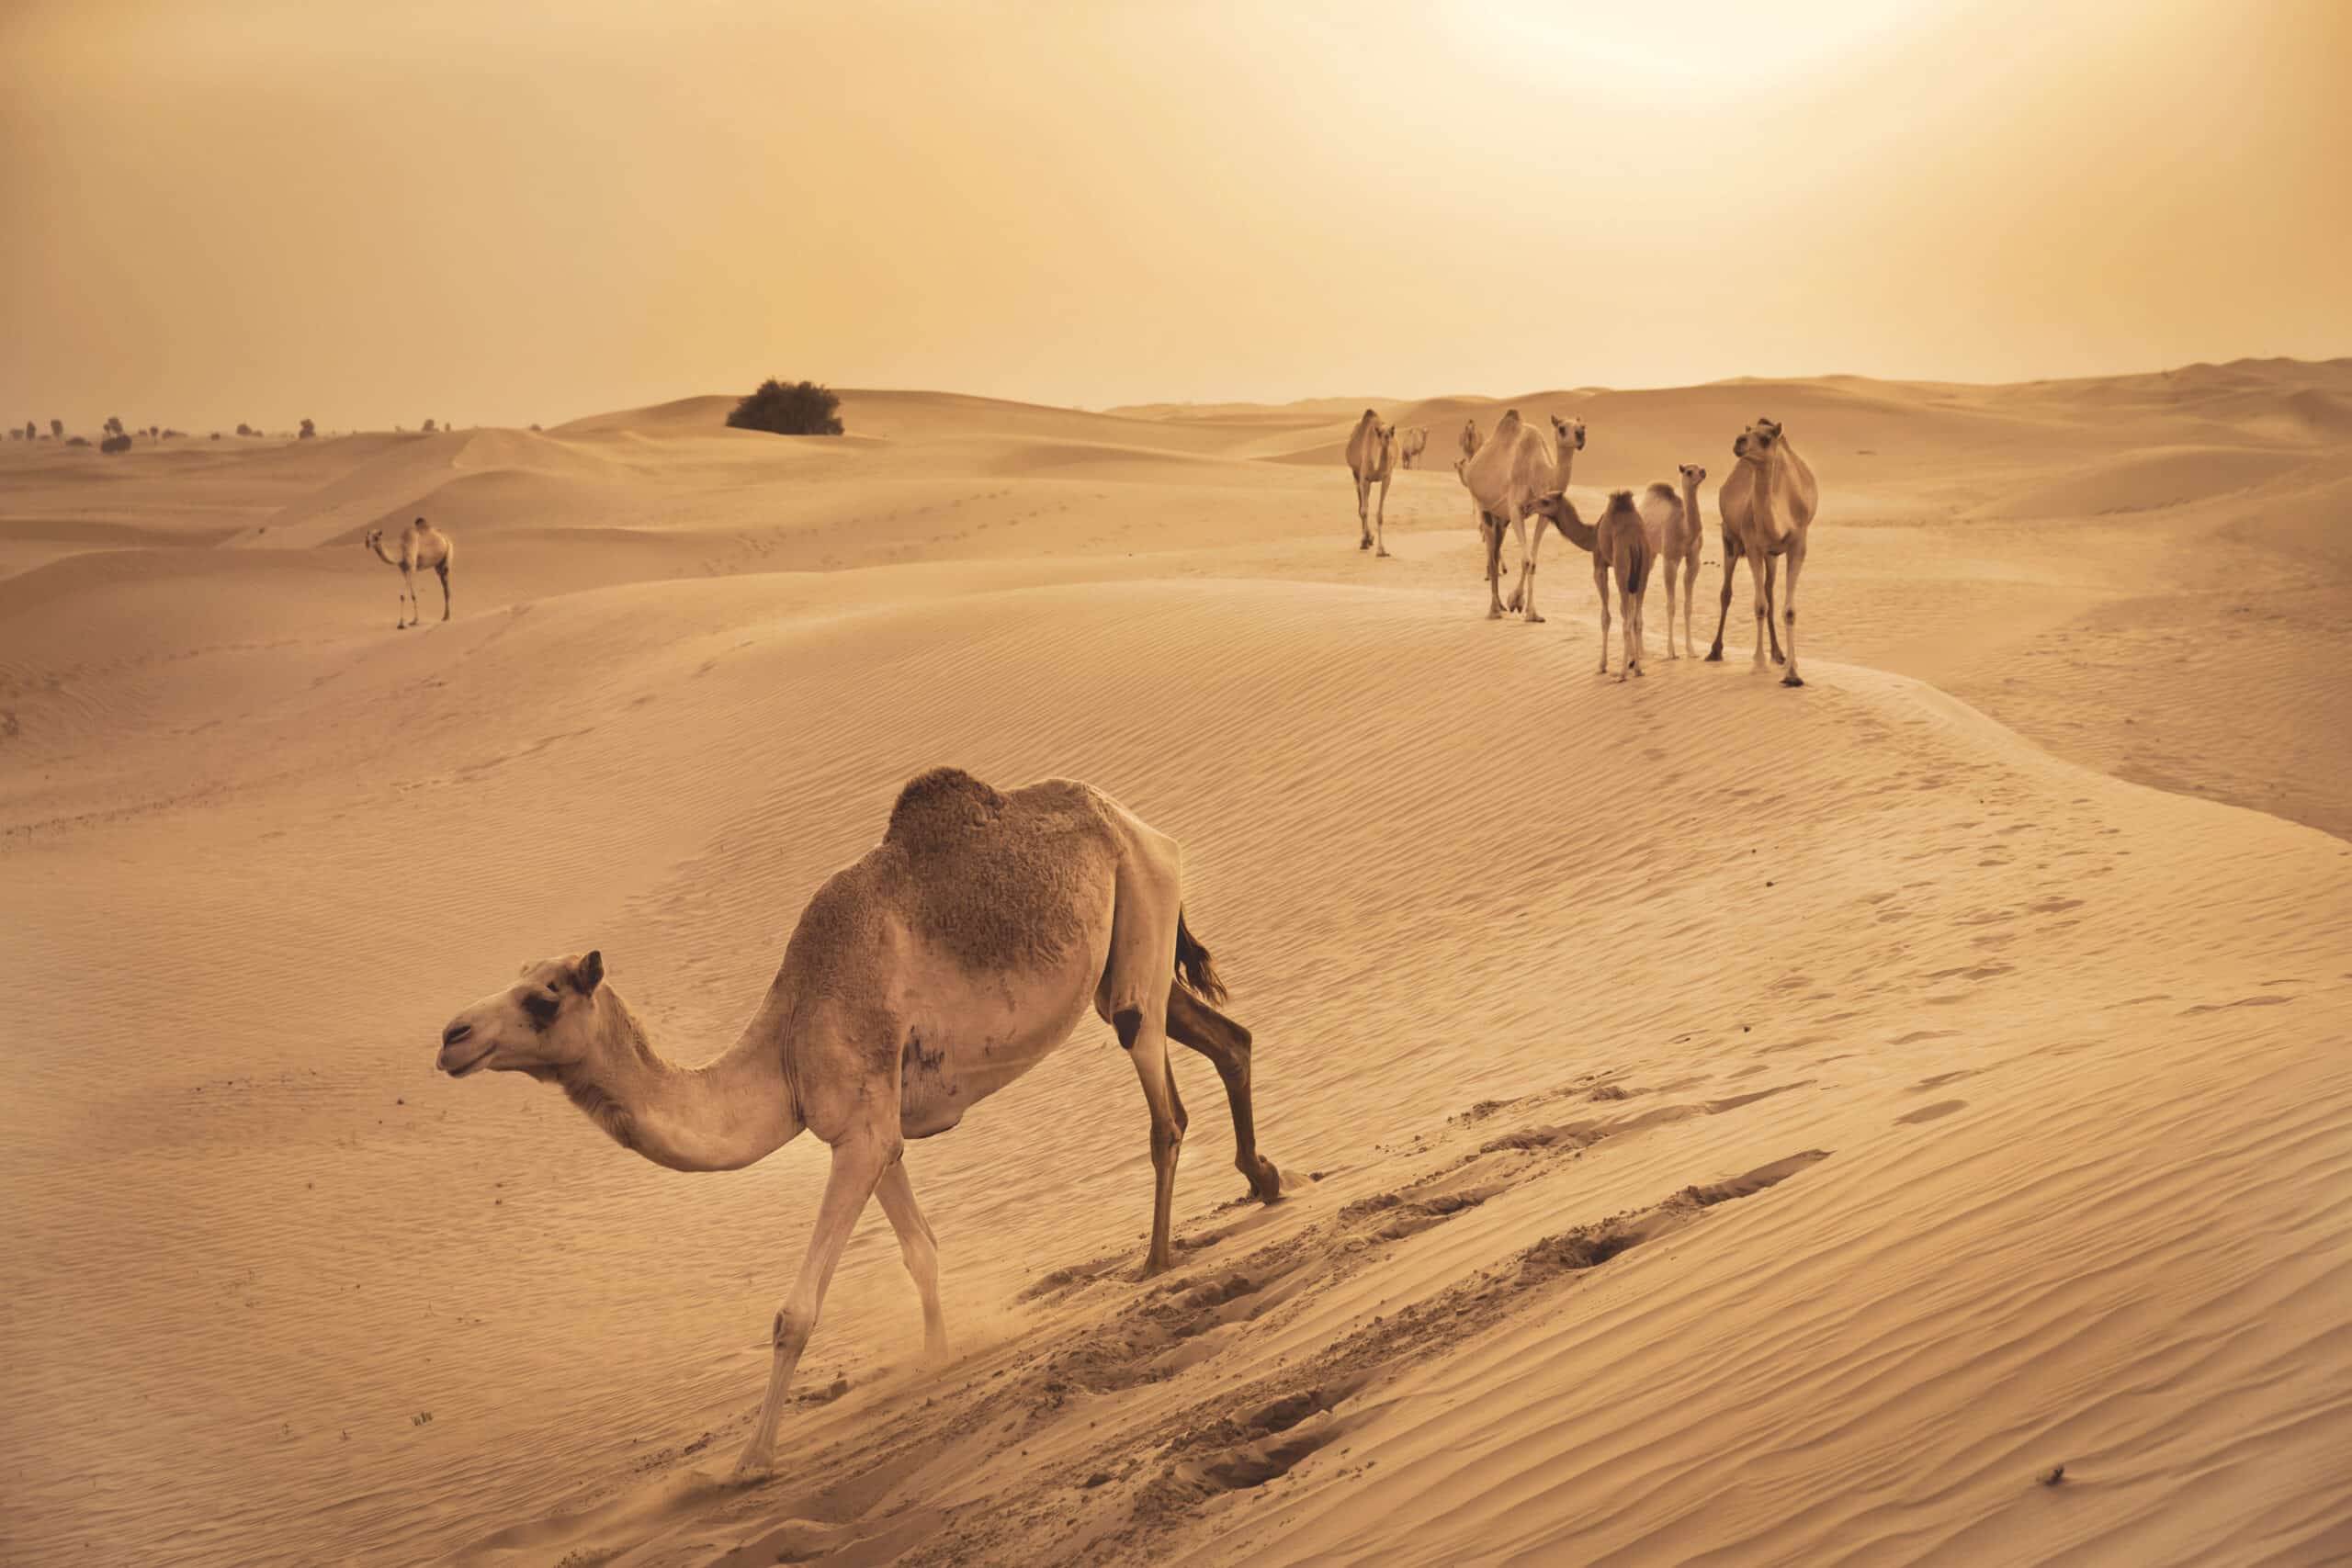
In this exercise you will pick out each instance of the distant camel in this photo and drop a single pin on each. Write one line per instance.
(1676, 534)
(1415, 442)
(945, 964)
(1514, 469)
(1469, 438)
(1768, 504)
(1372, 458)
(422, 546)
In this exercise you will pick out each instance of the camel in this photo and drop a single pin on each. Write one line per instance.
(1372, 458)
(1513, 468)
(949, 961)
(1675, 536)
(1617, 545)
(1469, 438)
(1416, 441)
(422, 546)
(1767, 503)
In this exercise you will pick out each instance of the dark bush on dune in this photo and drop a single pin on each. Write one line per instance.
(57, 429)
(309, 431)
(111, 444)
(801, 409)
(244, 429)
(77, 440)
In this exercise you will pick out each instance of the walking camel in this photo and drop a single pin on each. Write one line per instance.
(1469, 438)
(1620, 544)
(1676, 534)
(1514, 469)
(953, 957)
(422, 546)
(1768, 504)
(1372, 458)
(1415, 441)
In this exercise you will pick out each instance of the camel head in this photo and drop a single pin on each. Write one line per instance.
(1555, 507)
(374, 537)
(1570, 431)
(546, 1021)
(1759, 441)
(1692, 475)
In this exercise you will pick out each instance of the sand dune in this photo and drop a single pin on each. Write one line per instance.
(1722, 1123)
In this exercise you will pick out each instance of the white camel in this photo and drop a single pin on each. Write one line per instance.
(1512, 470)
(423, 548)
(949, 961)
(1768, 504)
(1372, 458)
(1676, 534)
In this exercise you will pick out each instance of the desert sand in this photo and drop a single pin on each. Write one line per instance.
(1720, 1123)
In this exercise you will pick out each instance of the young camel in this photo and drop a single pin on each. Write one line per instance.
(1620, 544)
(422, 546)
(1768, 504)
(1676, 534)
(949, 961)
(1372, 458)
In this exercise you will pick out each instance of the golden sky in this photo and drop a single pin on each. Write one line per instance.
(494, 212)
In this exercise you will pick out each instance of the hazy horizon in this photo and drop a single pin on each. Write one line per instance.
(245, 212)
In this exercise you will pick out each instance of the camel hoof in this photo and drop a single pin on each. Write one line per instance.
(1778, 659)
(1364, 544)
(1494, 612)
(1790, 680)
(752, 1470)
(1382, 555)
(1715, 656)
(1267, 1185)
(1533, 619)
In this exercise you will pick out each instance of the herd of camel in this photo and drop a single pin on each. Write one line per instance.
(966, 946)
(1518, 473)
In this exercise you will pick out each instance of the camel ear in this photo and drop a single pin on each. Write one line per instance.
(589, 973)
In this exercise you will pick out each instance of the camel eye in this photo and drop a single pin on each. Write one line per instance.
(540, 1007)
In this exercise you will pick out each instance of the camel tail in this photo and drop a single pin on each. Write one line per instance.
(1192, 967)
(1638, 568)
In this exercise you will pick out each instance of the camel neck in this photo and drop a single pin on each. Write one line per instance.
(1690, 503)
(731, 1110)
(1761, 504)
(383, 554)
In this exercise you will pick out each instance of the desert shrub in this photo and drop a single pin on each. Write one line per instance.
(77, 440)
(114, 443)
(112, 426)
(801, 409)
(430, 427)
(171, 435)
(57, 429)
(244, 429)
(535, 426)
(309, 431)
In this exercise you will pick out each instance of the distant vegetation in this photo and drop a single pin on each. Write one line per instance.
(57, 429)
(801, 409)
(309, 431)
(111, 444)
(78, 440)
(244, 429)
(430, 427)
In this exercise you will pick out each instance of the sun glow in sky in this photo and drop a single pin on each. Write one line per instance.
(259, 210)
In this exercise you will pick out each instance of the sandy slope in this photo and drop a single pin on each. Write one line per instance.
(1724, 1123)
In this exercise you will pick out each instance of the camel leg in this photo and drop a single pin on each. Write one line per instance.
(1731, 555)
(1364, 496)
(1789, 608)
(1772, 623)
(444, 570)
(1534, 557)
(1629, 604)
(1669, 610)
(1380, 534)
(921, 1251)
(408, 595)
(1601, 586)
(1490, 529)
(1690, 592)
(1134, 997)
(859, 1162)
(1758, 565)
(1517, 521)
(1192, 1023)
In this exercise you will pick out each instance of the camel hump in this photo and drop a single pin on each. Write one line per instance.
(943, 801)
(1621, 500)
(1664, 492)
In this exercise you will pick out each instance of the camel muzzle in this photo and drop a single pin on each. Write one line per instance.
(453, 1037)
